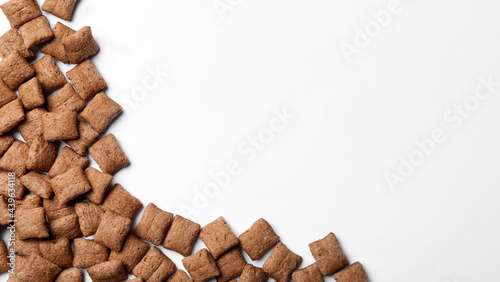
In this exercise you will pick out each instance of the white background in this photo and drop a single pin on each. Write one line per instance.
(325, 171)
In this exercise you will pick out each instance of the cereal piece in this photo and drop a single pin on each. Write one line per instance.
(230, 264)
(99, 182)
(258, 239)
(60, 8)
(38, 269)
(69, 185)
(281, 263)
(352, 273)
(180, 276)
(108, 154)
(109, 271)
(89, 217)
(6, 94)
(131, 253)
(100, 112)
(4, 213)
(38, 183)
(57, 252)
(65, 99)
(41, 154)
(67, 159)
(19, 12)
(28, 247)
(11, 115)
(201, 266)
(306, 274)
(86, 79)
(60, 126)
(12, 41)
(32, 127)
(253, 274)
(5, 142)
(182, 236)
(4, 261)
(15, 158)
(14, 70)
(136, 280)
(218, 237)
(49, 75)
(80, 45)
(31, 224)
(31, 94)
(154, 266)
(65, 227)
(88, 253)
(5, 187)
(70, 275)
(87, 137)
(55, 47)
(154, 224)
(113, 230)
(328, 254)
(120, 201)
(55, 210)
(36, 31)
(29, 202)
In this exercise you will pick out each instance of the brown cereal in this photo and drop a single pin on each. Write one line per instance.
(6, 94)
(69, 185)
(352, 273)
(65, 99)
(308, 274)
(49, 75)
(212, 233)
(60, 126)
(99, 182)
(4, 212)
(15, 158)
(86, 79)
(32, 127)
(70, 275)
(136, 280)
(29, 201)
(122, 202)
(57, 252)
(87, 137)
(38, 183)
(108, 271)
(5, 142)
(182, 236)
(201, 266)
(11, 115)
(67, 159)
(41, 154)
(38, 269)
(31, 224)
(281, 263)
(89, 217)
(36, 31)
(14, 70)
(328, 254)
(154, 224)
(100, 112)
(55, 210)
(253, 274)
(60, 8)
(19, 12)
(65, 227)
(12, 41)
(4, 186)
(28, 247)
(55, 47)
(113, 230)
(154, 266)
(108, 154)
(180, 276)
(88, 253)
(31, 94)
(131, 253)
(258, 239)
(4, 261)
(80, 45)
(230, 264)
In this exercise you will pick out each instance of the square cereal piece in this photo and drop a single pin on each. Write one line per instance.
(180, 276)
(41, 154)
(28, 247)
(153, 225)
(11, 115)
(100, 112)
(328, 254)
(65, 227)
(4, 186)
(67, 159)
(60, 8)
(201, 266)
(120, 201)
(87, 253)
(108, 154)
(87, 137)
(4, 261)
(113, 230)
(19, 12)
(69, 185)
(182, 236)
(49, 75)
(99, 182)
(70, 275)
(253, 274)
(131, 253)
(32, 127)
(80, 45)
(30, 201)
(6, 94)
(60, 126)
(31, 224)
(86, 79)
(14, 70)
(5, 143)
(65, 99)
(89, 217)
(38, 183)
(12, 41)
(38, 269)
(36, 31)
(55, 47)
(4, 213)
(55, 210)
(352, 273)
(281, 263)
(108, 271)
(31, 94)
(308, 274)
(15, 158)
(154, 266)
(211, 234)
(230, 264)
(258, 239)
(57, 252)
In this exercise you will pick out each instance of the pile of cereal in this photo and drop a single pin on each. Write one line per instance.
(55, 201)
